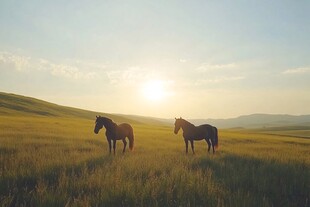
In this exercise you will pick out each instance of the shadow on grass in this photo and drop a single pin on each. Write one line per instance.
(255, 182)
(19, 190)
(7, 151)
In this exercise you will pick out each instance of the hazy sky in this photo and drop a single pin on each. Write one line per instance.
(195, 59)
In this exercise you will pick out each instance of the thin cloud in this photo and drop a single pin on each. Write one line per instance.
(219, 80)
(70, 72)
(300, 70)
(210, 67)
(132, 75)
(20, 63)
(183, 60)
(129, 75)
(26, 64)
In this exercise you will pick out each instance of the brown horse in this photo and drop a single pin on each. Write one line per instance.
(115, 132)
(192, 132)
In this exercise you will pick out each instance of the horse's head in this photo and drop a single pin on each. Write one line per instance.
(177, 125)
(99, 124)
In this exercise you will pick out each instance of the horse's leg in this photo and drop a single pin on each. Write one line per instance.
(109, 141)
(213, 148)
(186, 145)
(192, 145)
(114, 145)
(125, 143)
(209, 144)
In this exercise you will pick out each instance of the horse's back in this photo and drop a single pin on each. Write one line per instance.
(125, 126)
(211, 130)
(125, 129)
(206, 126)
(198, 132)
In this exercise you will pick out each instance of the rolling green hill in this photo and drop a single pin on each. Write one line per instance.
(17, 105)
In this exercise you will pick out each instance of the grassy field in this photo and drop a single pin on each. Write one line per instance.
(53, 161)
(294, 131)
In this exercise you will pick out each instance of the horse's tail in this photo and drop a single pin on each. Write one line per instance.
(216, 141)
(131, 139)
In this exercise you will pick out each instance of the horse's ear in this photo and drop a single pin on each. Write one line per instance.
(96, 116)
(175, 118)
(180, 117)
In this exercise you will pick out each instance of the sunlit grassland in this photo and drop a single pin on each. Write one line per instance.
(302, 132)
(50, 161)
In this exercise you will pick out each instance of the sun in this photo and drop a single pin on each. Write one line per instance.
(154, 90)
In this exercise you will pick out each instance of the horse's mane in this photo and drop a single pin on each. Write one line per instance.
(108, 123)
(104, 119)
(187, 122)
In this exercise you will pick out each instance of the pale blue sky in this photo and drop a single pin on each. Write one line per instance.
(213, 59)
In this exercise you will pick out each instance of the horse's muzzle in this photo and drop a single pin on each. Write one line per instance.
(96, 132)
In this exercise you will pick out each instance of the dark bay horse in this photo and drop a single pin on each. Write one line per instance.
(115, 132)
(192, 133)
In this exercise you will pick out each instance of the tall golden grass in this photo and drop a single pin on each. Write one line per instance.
(50, 161)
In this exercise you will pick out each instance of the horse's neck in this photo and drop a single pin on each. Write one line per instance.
(110, 125)
(188, 126)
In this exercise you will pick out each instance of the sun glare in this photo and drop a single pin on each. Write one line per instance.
(154, 90)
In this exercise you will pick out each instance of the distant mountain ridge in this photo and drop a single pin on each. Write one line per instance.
(258, 121)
